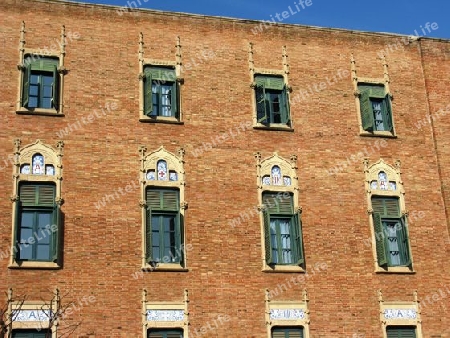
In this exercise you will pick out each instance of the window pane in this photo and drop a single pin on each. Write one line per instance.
(27, 219)
(34, 90)
(25, 234)
(47, 80)
(34, 79)
(273, 240)
(392, 242)
(25, 252)
(285, 241)
(43, 252)
(32, 102)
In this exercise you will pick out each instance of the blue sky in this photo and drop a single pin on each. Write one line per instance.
(394, 16)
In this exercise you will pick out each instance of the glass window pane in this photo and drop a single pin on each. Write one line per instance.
(43, 252)
(32, 102)
(155, 255)
(47, 80)
(46, 103)
(34, 90)
(27, 219)
(47, 91)
(34, 79)
(155, 223)
(25, 234)
(44, 219)
(25, 252)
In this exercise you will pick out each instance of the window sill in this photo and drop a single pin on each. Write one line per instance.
(273, 126)
(395, 269)
(34, 265)
(386, 134)
(283, 268)
(167, 267)
(160, 119)
(38, 111)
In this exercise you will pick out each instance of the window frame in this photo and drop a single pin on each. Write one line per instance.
(33, 63)
(50, 157)
(173, 164)
(382, 245)
(178, 235)
(300, 329)
(164, 332)
(147, 66)
(392, 175)
(55, 212)
(265, 85)
(295, 232)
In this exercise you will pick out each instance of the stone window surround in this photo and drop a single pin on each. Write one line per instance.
(143, 62)
(287, 305)
(263, 168)
(264, 71)
(61, 70)
(24, 155)
(153, 305)
(371, 173)
(384, 81)
(149, 161)
(400, 305)
(37, 306)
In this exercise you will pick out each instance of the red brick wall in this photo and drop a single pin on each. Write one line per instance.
(102, 248)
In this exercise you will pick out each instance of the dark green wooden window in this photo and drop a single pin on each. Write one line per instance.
(29, 334)
(40, 82)
(287, 332)
(272, 101)
(164, 226)
(376, 111)
(165, 333)
(282, 230)
(391, 233)
(37, 214)
(161, 92)
(401, 332)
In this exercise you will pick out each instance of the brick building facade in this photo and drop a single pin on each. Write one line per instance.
(204, 175)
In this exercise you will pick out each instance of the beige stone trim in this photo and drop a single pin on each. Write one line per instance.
(23, 52)
(24, 156)
(393, 175)
(154, 305)
(177, 65)
(149, 162)
(400, 305)
(286, 305)
(266, 71)
(385, 80)
(38, 305)
(288, 168)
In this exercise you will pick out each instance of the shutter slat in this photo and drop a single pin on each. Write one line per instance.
(46, 196)
(392, 207)
(28, 195)
(170, 200)
(44, 64)
(162, 73)
(277, 204)
(153, 199)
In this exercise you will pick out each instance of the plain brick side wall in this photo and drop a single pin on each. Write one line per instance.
(102, 248)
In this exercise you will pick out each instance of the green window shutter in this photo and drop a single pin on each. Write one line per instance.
(55, 88)
(148, 234)
(402, 235)
(392, 207)
(56, 236)
(180, 224)
(44, 64)
(366, 111)
(267, 245)
(278, 334)
(379, 240)
(285, 110)
(17, 221)
(37, 195)
(176, 103)
(26, 85)
(275, 83)
(163, 74)
(386, 207)
(148, 100)
(401, 332)
(297, 235)
(166, 200)
(388, 113)
(261, 109)
(278, 204)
